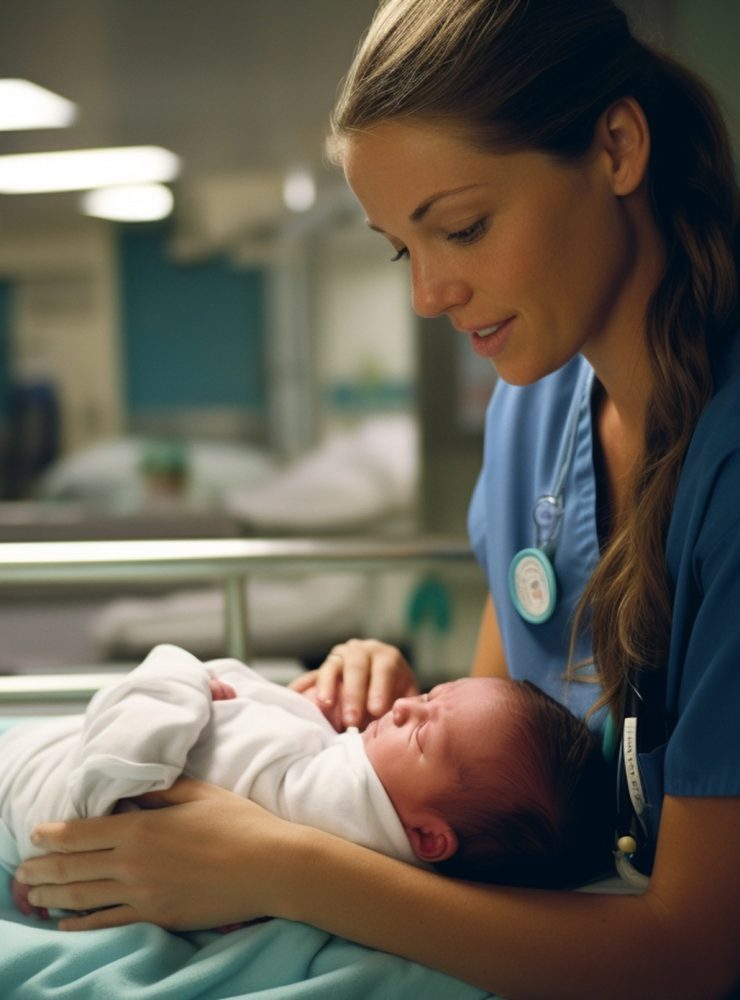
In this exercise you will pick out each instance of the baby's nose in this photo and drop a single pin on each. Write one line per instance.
(404, 709)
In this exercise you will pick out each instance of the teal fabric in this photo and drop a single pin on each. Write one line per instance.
(277, 960)
(703, 559)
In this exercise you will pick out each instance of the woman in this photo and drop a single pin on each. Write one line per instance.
(566, 197)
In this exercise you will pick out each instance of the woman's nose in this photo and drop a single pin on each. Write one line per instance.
(433, 292)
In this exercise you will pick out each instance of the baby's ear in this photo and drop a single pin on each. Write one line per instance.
(434, 841)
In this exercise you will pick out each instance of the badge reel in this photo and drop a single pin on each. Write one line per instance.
(532, 583)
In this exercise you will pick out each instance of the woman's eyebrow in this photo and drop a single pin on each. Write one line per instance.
(421, 210)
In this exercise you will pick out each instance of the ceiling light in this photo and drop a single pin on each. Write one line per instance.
(299, 190)
(25, 105)
(80, 169)
(130, 203)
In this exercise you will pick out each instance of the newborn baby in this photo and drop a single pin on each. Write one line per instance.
(443, 778)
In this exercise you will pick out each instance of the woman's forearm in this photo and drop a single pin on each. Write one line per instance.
(485, 936)
(213, 858)
(523, 944)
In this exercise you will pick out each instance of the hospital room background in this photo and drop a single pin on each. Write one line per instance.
(236, 359)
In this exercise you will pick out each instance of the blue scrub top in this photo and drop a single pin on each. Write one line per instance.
(526, 438)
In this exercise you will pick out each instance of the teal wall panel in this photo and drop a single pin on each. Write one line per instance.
(192, 335)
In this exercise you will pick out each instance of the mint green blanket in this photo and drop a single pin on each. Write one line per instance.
(277, 960)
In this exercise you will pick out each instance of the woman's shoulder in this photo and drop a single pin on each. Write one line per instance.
(706, 500)
(717, 432)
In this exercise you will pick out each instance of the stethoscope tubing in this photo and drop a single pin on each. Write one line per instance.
(531, 578)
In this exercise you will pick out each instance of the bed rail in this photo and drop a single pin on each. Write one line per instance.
(231, 562)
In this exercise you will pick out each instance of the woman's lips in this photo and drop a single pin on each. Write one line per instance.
(489, 341)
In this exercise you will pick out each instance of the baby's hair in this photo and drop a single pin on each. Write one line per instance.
(539, 810)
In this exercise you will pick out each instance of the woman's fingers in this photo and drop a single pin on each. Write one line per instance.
(113, 916)
(329, 674)
(306, 681)
(391, 678)
(375, 675)
(77, 835)
(62, 869)
(76, 895)
(205, 861)
(356, 659)
(363, 677)
(325, 687)
(341, 678)
(91, 862)
(324, 681)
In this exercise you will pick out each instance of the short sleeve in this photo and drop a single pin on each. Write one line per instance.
(703, 753)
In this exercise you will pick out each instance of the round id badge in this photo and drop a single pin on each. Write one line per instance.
(532, 585)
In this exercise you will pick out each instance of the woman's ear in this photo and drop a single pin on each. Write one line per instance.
(434, 841)
(623, 134)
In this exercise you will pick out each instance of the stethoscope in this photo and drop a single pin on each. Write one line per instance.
(532, 584)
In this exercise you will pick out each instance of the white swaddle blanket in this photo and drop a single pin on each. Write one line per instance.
(268, 744)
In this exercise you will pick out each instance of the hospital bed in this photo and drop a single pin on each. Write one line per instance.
(276, 960)
(231, 563)
(360, 481)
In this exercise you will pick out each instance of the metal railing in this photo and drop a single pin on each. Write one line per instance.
(228, 561)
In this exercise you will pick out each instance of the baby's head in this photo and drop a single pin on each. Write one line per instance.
(495, 781)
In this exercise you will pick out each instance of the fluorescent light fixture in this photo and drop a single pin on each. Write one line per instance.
(130, 203)
(299, 190)
(25, 105)
(81, 169)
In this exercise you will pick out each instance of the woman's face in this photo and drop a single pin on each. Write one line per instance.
(533, 260)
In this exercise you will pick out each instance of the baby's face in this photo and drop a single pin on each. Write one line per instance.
(416, 748)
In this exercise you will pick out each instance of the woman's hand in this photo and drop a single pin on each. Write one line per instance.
(358, 681)
(199, 863)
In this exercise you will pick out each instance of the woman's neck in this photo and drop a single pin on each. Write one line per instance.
(620, 403)
(617, 450)
(619, 354)
(620, 359)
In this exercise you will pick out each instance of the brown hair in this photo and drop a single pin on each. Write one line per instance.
(538, 74)
(538, 811)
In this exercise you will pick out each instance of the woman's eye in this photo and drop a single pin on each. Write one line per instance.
(470, 233)
(403, 252)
